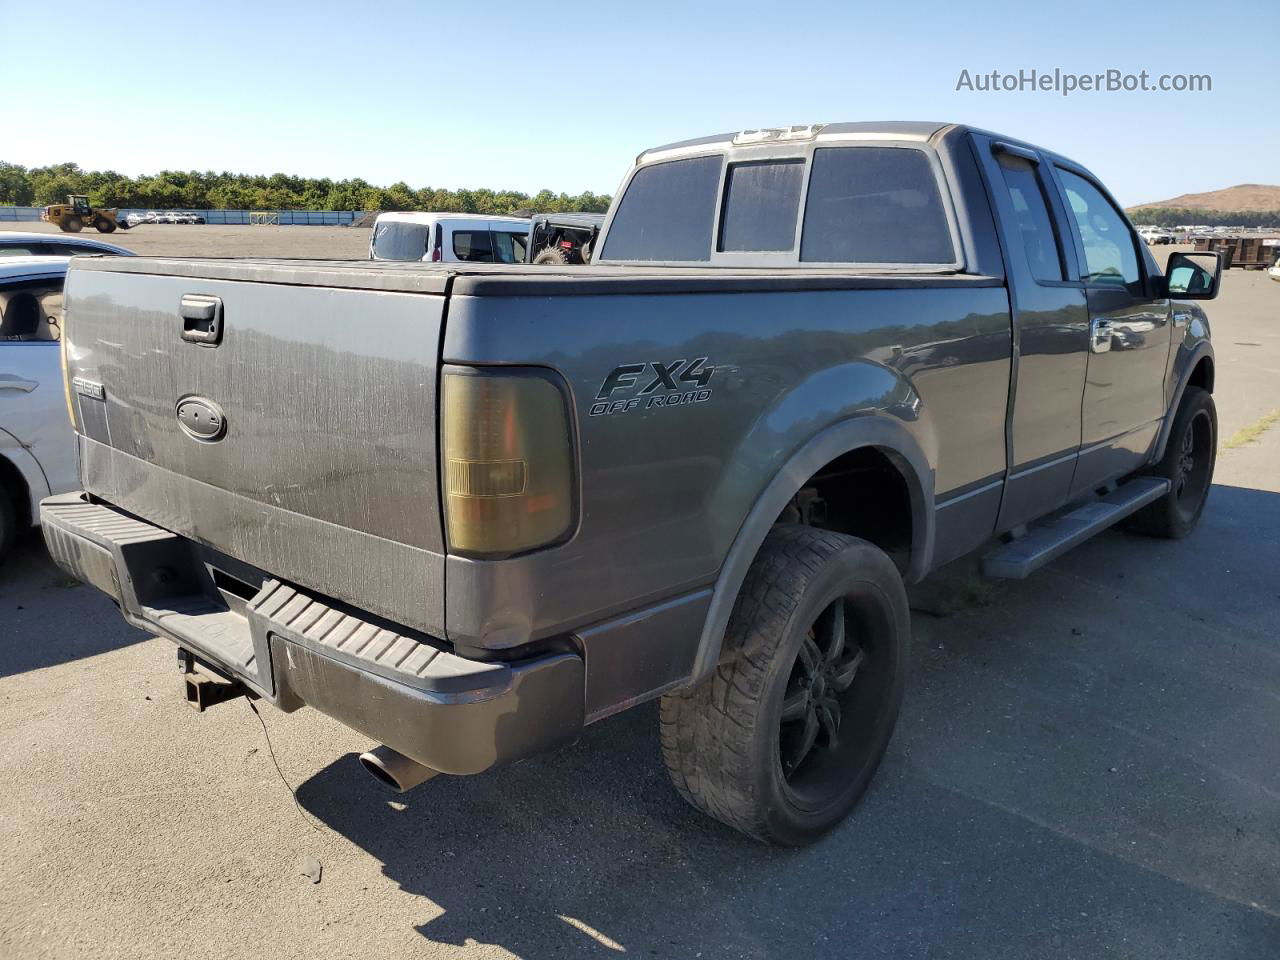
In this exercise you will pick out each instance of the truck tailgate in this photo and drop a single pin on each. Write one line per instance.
(322, 470)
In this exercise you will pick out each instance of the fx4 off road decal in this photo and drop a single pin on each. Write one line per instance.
(648, 386)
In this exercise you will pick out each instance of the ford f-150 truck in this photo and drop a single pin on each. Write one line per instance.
(468, 508)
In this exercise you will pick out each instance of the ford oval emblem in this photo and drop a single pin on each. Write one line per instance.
(201, 419)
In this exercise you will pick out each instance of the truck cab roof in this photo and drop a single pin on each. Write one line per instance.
(908, 131)
(863, 130)
(415, 216)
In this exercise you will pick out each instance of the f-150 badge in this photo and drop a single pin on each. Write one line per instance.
(649, 386)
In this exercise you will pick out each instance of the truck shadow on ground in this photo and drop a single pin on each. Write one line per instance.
(35, 628)
(1044, 738)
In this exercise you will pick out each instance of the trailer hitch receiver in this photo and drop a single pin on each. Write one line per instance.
(202, 690)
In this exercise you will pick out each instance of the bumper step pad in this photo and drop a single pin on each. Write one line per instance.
(404, 690)
(162, 582)
(294, 615)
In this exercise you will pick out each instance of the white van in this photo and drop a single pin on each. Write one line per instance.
(449, 237)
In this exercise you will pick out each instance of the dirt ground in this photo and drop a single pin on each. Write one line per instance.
(204, 240)
(1087, 765)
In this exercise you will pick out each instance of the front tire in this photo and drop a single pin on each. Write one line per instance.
(1188, 462)
(104, 225)
(782, 740)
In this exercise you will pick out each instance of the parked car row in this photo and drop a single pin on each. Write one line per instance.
(163, 216)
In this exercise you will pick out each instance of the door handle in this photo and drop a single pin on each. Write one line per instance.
(201, 319)
(9, 382)
(1100, 336)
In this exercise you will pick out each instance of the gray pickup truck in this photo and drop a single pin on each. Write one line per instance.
(468, 508)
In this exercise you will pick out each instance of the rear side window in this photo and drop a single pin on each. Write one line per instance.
(31, 311)
(874, 205)
(472, 246)
(1032, 212)
(761, 203)
(400, 241)
(509, 247)
(667, 212)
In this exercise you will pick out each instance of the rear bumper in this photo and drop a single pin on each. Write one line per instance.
(291, 647)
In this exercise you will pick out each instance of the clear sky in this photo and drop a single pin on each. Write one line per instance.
(563, 95)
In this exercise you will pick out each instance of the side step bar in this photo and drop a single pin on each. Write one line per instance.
(1018, 558)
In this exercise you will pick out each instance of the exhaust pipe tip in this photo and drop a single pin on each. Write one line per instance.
(395, 770)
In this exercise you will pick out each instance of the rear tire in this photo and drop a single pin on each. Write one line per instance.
(8, 524)
(73, 225)
(553, 256)
(782, 740)
(1189, 458)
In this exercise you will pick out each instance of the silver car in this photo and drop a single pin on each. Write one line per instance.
(37, 446)
(16, 244)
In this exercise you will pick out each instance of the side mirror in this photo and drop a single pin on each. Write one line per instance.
(1194, 276)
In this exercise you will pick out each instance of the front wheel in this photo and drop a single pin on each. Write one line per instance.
(104, 225)
(1189, 458)
(782, 740)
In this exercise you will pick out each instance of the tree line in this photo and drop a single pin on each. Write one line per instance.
(1175, 216)
(208, 190)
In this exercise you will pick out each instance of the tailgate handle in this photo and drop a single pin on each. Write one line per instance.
(201, 319)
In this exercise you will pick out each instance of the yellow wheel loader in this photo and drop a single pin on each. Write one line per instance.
(76, 214)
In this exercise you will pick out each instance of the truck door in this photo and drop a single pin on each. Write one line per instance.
(1129, 337)
(1050, 332)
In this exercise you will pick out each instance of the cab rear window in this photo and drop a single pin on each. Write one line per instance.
(761, 202)
(874, 205)
(862, 205)
(667, 212)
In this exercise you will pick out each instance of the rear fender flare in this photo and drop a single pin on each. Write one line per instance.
(18, 459)
(881, 431)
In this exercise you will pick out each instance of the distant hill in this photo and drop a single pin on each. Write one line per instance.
(1247, 197)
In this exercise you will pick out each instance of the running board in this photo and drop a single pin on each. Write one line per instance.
(1018, 558)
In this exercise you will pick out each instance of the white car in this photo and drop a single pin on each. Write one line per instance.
(1274, 272)
(37, 445)
(449, 238)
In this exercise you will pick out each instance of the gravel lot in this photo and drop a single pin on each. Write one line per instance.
(161, 239)
(1087, 765)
